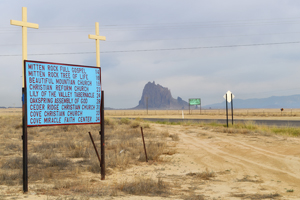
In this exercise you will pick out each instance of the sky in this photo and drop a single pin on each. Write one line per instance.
(195, 48)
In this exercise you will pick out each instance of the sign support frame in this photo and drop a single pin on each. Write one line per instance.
(26, 118)
(230, 100)
(25, 140)
(194, 104)
(102, 142)
(226, 111)
(231, 109)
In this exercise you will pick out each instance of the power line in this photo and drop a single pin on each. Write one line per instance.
(216, 36)
(208, 47)
(180, 23)
(165, 49)
(231, 23)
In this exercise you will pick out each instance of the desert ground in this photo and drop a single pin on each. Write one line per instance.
(186, 161)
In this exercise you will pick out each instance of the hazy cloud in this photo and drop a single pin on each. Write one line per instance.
(247, 71)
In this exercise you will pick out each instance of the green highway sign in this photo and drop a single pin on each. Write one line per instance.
(195, 101)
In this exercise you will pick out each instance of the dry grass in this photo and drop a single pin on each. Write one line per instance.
(62, 160)
(206, 112)
(250, 127)
(174, 137)
(248, 179)
(194, 197)
(144, 186)
(257, 196)
(57, 155)
(207, 175)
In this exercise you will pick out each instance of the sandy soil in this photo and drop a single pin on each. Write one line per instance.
(246, 166)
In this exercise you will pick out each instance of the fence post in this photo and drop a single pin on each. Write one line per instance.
(144, 144)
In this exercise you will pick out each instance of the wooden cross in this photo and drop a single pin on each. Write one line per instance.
(24, 25)
(97, 37)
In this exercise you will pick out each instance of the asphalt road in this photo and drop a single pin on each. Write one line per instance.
(289, 123)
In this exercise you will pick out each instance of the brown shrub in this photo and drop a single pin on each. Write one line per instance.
(203, 175)
(11, 178)
(144, 186)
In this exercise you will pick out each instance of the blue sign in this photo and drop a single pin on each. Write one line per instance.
(62, 94)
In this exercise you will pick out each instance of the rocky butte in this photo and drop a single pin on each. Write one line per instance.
(160, 97)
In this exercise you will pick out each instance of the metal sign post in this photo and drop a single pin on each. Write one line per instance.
(226, 111)
(24, 138)
(231, 109)
(229, 98)
(102, 142)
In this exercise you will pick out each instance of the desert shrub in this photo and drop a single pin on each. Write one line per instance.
(46, 145)
(129, 134)
(65, 184)
(124, 121)
(109, 121)
(292, 131)
(206, 175)
(81, 152)
(256, 196)
(146, 125)
(13, 147)
(174, 137)
(135, 124)
(66, 128)
(35, 160)
(118, 160)
(250, 125)
(94, 166)
(18, 126)
(35, 174)
(248, 179)
(11, 178)
(13, 163)
(138, 119)
(61, 163)
(194, 197)
(165, 133)
(144, 186)
(154, 150)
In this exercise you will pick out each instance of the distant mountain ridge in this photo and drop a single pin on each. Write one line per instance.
(292, 101)
(159, 97)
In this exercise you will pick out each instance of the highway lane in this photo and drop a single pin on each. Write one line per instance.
(289, 123)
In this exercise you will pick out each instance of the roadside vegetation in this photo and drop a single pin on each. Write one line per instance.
(62, 160)
(244, 128)
(273, 113)
(251, 127)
